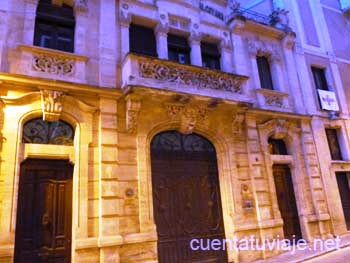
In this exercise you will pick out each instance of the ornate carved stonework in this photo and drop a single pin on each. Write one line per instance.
(272, 100)
(206, 79)
(281, 129)
(132, 113)
(53, 64)
(188, 116)
(162, 27)
(51, 102)
(238, 124)
(263, 48)
(125, 16)
(289, 40)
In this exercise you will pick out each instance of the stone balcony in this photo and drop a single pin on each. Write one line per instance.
(47, 63)
(142, 71)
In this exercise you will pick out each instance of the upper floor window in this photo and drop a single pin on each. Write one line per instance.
(210, 56)
(319, 78)
(54, 26)
(264, 72)
(178, 49)
(142, 40)
(277, 146)
(333, 143)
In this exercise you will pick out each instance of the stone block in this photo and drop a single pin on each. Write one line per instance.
(109, 137)
(127, 156)
(111, 206)
(129, 224)
(93, 227)
(93, 190)
(91, 255)
(93, 208)
(127, 140)
(109, 121)
(109, 154)
(110, 226)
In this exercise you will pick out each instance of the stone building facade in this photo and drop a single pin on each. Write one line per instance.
(111, 103)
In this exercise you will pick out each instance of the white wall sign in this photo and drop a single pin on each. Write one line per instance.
(328, 100)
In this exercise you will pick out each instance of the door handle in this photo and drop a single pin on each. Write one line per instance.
(45, 220)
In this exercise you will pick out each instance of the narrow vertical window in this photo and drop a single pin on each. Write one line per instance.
(319, 78)
(264, 72)
(178, 49)
(54, 26)
(333, 143)
(142, 40)
(210, 56)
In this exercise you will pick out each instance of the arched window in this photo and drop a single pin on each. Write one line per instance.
(54, 26)
(277, 146)
(44, 132)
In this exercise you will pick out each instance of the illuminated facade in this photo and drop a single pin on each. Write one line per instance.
(127, 128)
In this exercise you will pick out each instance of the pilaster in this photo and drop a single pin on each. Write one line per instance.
(161, 32)
(195, 44)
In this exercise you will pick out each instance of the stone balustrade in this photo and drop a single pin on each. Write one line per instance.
(47, 63)
(139, 70)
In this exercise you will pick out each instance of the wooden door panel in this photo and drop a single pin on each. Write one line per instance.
(286, 201)
(43, 229)
(186, 200)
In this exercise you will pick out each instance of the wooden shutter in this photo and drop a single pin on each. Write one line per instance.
(264, 73)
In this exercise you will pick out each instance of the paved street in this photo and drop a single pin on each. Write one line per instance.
(340, 256)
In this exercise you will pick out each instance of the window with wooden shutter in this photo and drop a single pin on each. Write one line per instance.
(142, 40)
(210, 56)
(333, 143)
(178, 49)
(264, 72)
(54, 26)
(319, 78)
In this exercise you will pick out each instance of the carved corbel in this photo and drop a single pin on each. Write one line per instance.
(237, 25)
(51, 103)
(125, 16)
(162, 27)
(133, 107)
(288, 40)
(195, 36)
(80, 6)
(238, 124)
(225, 44)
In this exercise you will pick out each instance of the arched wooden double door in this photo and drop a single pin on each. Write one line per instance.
(186, 197)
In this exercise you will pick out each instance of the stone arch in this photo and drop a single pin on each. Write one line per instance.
(80, 116)
(225, 168)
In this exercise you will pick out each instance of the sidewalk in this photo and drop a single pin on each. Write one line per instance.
(307, 254)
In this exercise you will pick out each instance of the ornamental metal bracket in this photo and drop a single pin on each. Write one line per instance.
(51, 103)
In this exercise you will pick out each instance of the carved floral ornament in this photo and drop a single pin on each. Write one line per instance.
(278, 127)
(238, 124)
(52, 64)
(79, 5)
(188, 115)
(181, 75)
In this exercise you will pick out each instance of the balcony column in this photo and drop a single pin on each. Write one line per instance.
(275, 61)
(252, 50)
(239, 57)
(29, 21)
(161, 32)
(195, 44)
(81, 20)
(125, 20)
(226, 55)
(107, 44)
(293, 80)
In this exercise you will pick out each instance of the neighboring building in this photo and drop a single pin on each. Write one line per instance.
(128, 128)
